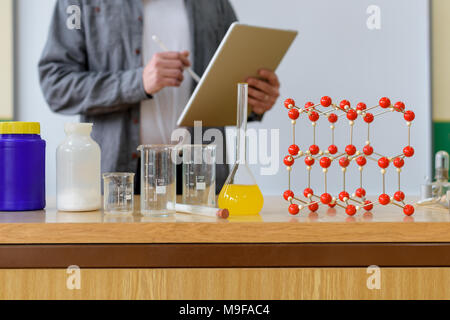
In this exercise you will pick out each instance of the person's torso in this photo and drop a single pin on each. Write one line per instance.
(113, 34)
(113, 31)
(168, 20)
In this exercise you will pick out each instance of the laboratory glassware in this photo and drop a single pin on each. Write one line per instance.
(158, 180)
(22, 167)
(241, 195)
(437, 192)
(199, 175)
(78, 177)
(118, 193)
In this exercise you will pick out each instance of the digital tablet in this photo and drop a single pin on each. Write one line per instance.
(244, 50)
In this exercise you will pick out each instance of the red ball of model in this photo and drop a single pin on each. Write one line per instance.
(360, 193)
(309, 105)
(408, 151)
(344, 162)
(345, 104)
(383, 162)
(294, 209)
(399, 106)
(368, 150)
(326, 198)
(289, 103)
(408, 210)
(294, 150)
(289, 161)
(361, 106)
(409, 116)
(314, 116)
(361, 161)
(344, 196)
(294, 114)
(309, 161)
(385, 102)
(352, 115)
(350, 210)
(325, 162)
(288, 194)
(332, 149)
(368, 205)
(314, 149)
(307, 192)
(313, 207)
(399, 196)
(384, 199)
(326, 101)
(332, 205)
(369, 118)
(350, 149)
(333, 118)
(399, 162)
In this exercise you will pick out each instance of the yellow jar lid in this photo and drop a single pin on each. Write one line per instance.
(20, 128)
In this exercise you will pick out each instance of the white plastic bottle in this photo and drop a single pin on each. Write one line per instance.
(78, 176)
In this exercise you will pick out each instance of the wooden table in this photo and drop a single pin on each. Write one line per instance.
(271, 256)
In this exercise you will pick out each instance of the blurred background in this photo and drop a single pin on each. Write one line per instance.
(335, 54)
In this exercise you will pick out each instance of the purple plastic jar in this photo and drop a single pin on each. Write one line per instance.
(22, 167)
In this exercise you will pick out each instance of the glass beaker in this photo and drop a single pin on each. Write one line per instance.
(199, 175)
(158, 180)
(241, 195)
(118, 193)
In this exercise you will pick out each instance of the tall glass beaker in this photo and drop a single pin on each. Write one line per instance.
(199, 175)
(241, 195)
(158, 180)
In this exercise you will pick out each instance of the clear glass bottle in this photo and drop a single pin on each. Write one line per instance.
(78, 177)
(241, 195)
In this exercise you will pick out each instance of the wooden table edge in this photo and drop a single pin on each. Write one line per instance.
(264, 232)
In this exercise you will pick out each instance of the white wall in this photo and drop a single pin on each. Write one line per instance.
(334, 55)
(32, 22)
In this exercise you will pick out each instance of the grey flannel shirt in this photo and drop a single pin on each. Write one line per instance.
(96, 71)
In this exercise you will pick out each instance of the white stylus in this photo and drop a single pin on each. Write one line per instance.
(164, 47)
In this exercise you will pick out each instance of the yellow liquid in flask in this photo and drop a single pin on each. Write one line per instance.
(241, 200)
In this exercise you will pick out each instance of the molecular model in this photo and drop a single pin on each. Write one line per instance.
(356, 201)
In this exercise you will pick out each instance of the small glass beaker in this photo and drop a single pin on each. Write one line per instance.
(199, 175)
(158, 180)
(118, 193)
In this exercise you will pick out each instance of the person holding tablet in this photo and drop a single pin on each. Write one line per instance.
(100, 62)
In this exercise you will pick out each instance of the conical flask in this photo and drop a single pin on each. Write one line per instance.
(241, 195)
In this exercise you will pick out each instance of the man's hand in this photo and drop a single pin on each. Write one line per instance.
(263, 94)
(165, 70)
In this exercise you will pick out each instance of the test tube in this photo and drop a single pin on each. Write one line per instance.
(158, 180)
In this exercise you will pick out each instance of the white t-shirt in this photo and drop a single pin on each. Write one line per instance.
(167, 19)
